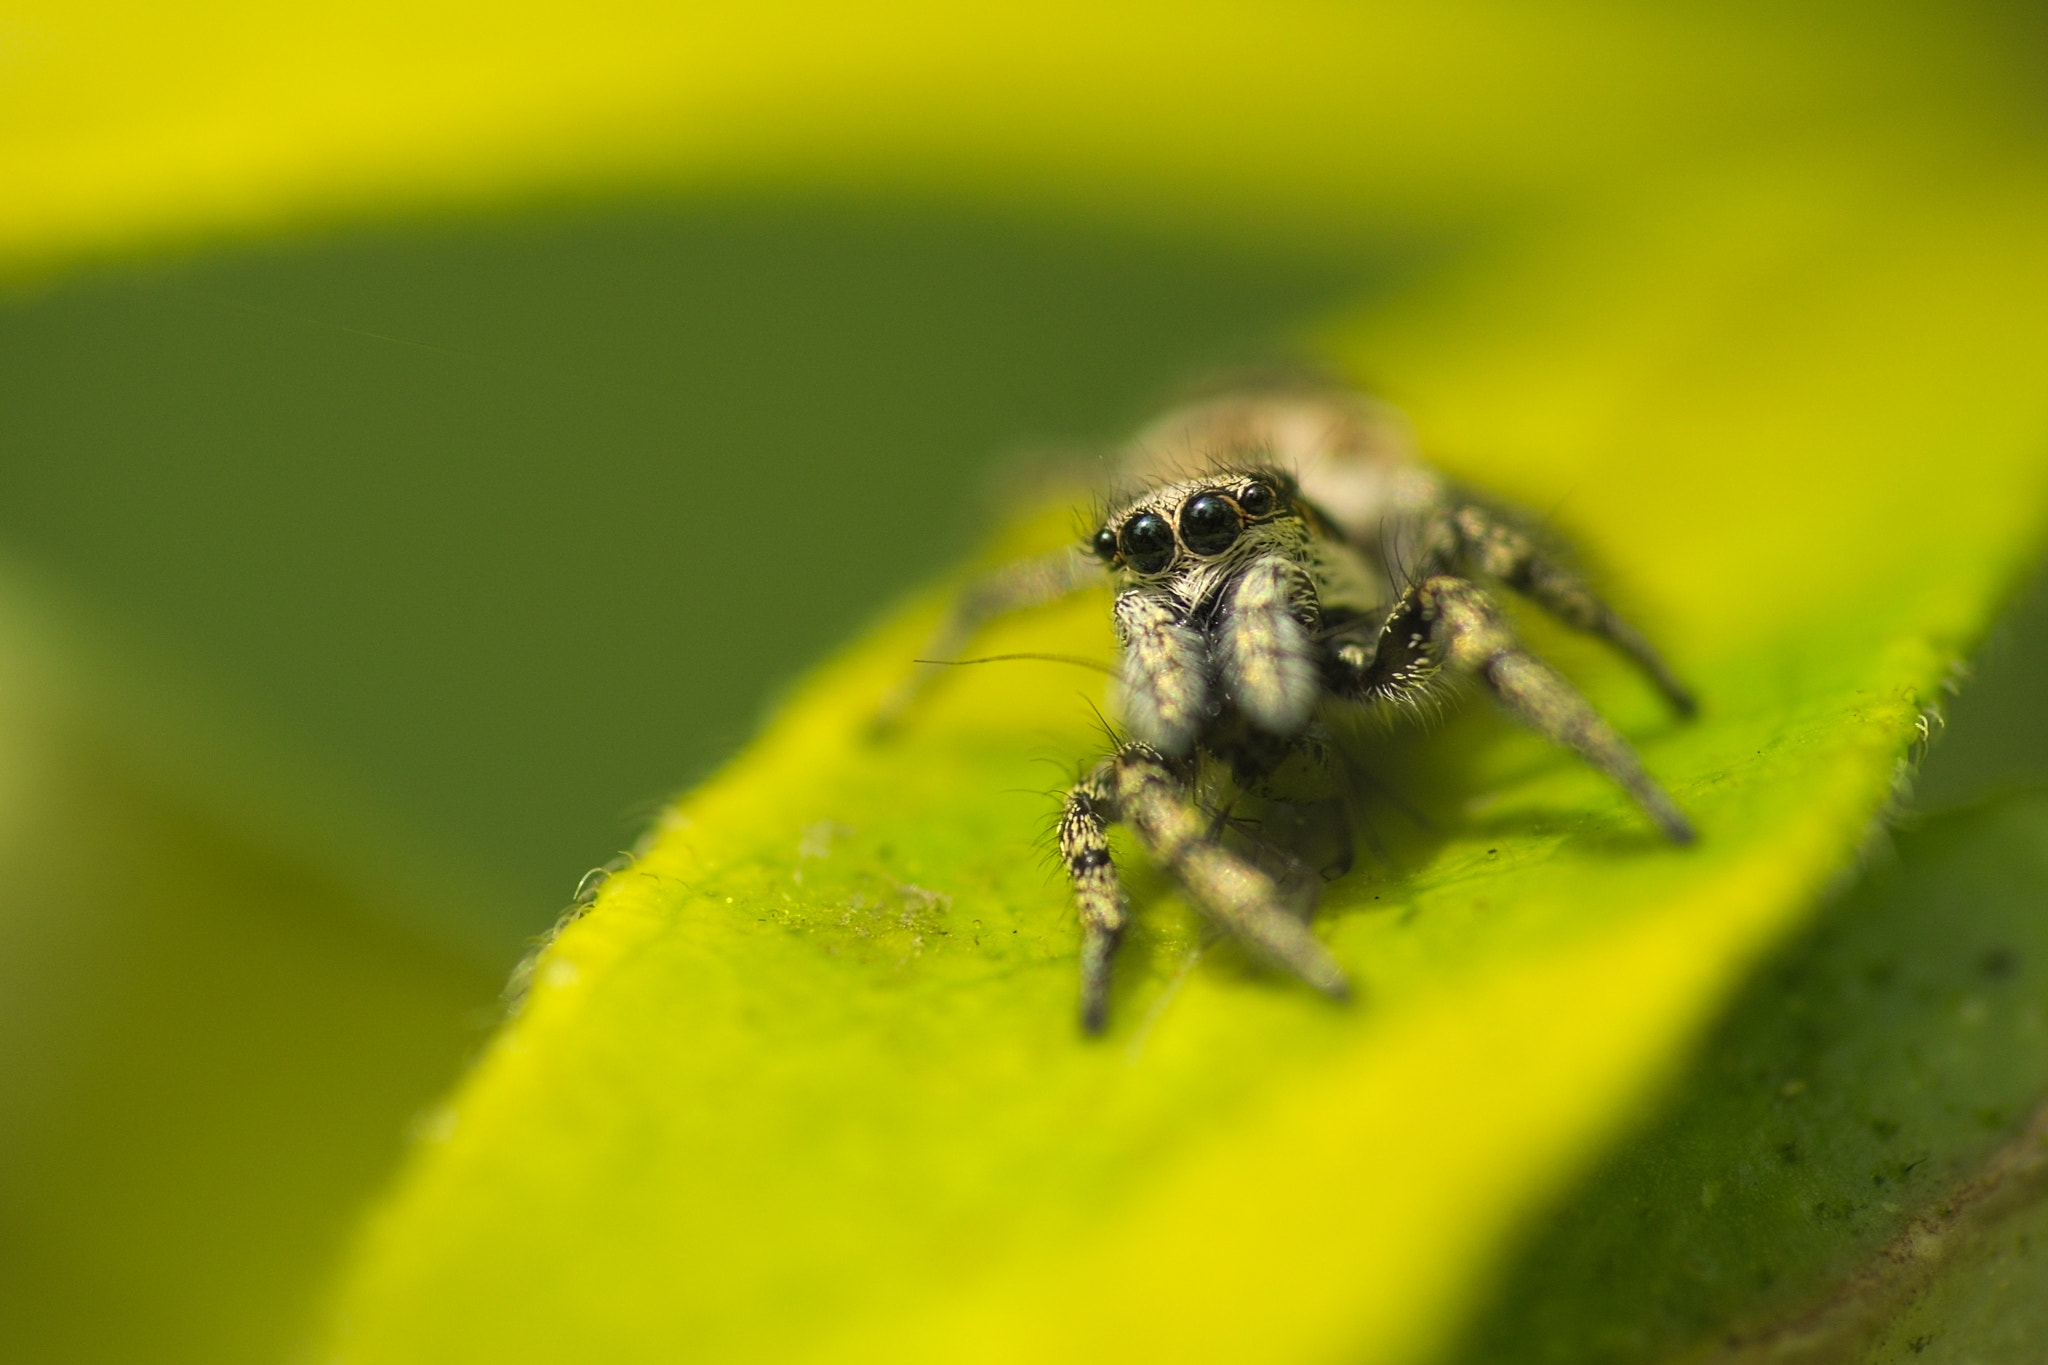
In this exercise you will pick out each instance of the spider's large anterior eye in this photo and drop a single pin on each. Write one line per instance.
(1147, 543)
(1209, 524)
(1104, 545)
(1256, 499)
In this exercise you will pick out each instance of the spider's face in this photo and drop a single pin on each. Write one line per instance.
(1183, 528)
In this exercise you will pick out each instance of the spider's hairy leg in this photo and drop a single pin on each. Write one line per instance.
(1153, 799)
(1269, 662)
(1448, 623)
(1012, 588)
(1165, 675)
(1084, 850)
(1487, 545)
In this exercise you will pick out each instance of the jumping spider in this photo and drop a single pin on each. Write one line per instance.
(1283, 555)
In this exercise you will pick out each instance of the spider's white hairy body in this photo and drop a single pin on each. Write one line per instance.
(1278, 555)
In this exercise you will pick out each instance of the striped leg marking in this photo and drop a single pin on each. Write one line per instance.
(1084, 849)
(1142, 789)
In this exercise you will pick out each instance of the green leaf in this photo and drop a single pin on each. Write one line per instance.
(1847, 1140)
(1991, 1305)
(805, 1082)
(1757, 318)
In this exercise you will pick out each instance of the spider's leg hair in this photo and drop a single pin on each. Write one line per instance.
(1446, 623)
(1083, 841)
(1045, 754)
(1112, 737)
(1152, 800)
(1221, 816)
(1402, 558)
(1028, 656)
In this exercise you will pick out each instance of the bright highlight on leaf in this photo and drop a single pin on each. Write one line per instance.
(125, 124)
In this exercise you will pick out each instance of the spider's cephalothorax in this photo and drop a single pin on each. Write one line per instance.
(1253, 593)
(1222, 582)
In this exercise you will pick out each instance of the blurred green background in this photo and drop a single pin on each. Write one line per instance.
(367, 589)
(510, 527)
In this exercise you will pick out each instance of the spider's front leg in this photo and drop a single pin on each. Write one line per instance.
(1447, 623)
(1084, 850)
(1142, 789)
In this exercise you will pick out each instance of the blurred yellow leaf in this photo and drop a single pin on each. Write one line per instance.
(125, 124)
(214, 1018)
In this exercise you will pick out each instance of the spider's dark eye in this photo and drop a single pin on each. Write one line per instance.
(1147, 543)
(1208, 524)
(1104, 545)
(1256, 499)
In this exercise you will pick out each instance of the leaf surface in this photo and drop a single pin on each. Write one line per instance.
(1857, 1133)
(805, 1084)
(1853, 1166)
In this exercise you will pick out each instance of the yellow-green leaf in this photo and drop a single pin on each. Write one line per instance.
(805, 1084)
(1855, 1164)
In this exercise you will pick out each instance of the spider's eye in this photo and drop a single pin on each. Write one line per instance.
(1208, 524)
(1147, 543)
(1104, 545)
(1256, 499)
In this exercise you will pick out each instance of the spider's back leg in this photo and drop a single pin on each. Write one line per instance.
(1482, 543)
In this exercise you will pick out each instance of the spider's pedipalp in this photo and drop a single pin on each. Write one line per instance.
(1269, 664)
(1165, 679)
